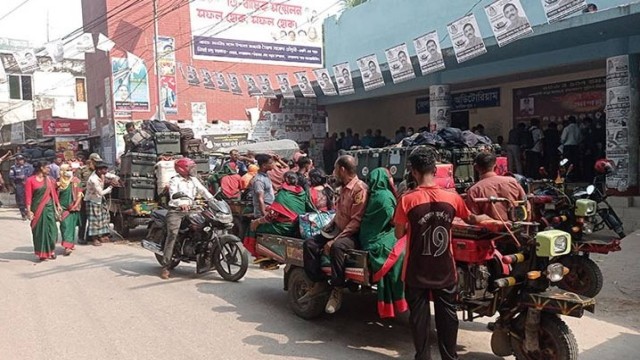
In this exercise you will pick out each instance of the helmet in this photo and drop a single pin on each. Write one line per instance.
(603, 166)
(183, 166)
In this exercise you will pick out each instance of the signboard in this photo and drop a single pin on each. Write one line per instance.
(226, 140)
(259, 31)
(483, 98)
(556, 102)
(65, 127)
(130, 84)
(17, 133)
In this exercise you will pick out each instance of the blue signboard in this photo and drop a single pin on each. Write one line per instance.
(467, 100)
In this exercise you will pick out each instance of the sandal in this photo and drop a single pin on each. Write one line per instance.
(53, 256)
(269, 266)
(261, 260)
(96, 242)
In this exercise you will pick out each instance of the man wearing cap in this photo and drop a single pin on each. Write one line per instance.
(96, 207)
(18, 174)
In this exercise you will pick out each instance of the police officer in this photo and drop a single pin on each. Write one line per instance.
(18, 174)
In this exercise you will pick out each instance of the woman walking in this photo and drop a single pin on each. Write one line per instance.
(42, 203)
(70, 195)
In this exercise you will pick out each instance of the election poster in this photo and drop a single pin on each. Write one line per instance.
(342, 72)
(252, 86)
(466, 38)
(508, 21)
(285, 86)
(26, 60)
(192, 76)
(207, 80)
(84, 44)
(259, 31)
(559, 9)
(399, 63)
(168, 82)
(618, 71)
(130, 84)
(324, 81)
(618, 98)
(265, 86)
(222, 82)
(55, 50)
(429, 53)
(370, 71)
(234, 84)
(304, 84)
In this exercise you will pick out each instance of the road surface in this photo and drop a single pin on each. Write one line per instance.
(109, 303)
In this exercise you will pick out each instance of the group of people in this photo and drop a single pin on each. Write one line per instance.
(530, 148)
(406, 235)
(66, 193)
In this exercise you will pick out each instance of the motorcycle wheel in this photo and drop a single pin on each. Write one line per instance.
(230, 258)
(174, 262)
(298, 285)
(556, 341)
(584, 277)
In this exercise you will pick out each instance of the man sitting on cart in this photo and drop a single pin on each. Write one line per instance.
(340, 235)
(186, 187)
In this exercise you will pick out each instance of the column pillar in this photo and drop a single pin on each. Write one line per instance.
(440, 107)
(623, 113)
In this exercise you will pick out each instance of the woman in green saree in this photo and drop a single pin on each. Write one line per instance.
(378, 238)
(42, 203)
(70, 195)
(282, 216)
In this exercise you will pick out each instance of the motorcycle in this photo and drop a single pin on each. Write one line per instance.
(203, 238)
(513, 282)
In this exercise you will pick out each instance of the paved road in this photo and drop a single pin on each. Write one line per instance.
(108, 303)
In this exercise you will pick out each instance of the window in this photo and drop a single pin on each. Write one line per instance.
(81, 90)
(99, 112)
(20, 87)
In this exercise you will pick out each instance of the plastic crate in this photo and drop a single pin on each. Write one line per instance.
(395, 160)
(368, 160)
(137, 164)
(167, 142)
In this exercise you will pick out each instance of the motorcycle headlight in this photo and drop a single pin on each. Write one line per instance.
(585, 207)
(555, 272)
(551, 243)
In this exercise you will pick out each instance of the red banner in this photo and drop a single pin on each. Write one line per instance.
(65, 127)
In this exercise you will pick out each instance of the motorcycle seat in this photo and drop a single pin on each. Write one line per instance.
(542, 199)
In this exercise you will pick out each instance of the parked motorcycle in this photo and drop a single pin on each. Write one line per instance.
(203, 238)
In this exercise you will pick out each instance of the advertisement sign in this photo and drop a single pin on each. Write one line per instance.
(559, 9)
(226, 140)
(324, 81)
(26, 60)
(168, 83)
(66, 146)
(508, 21)
(429, 52)
(258, 31)
(130, 84)
(556, 102)
(370, 71)
(466, 38)
(17, 133)
(400, 63)
(65, 127)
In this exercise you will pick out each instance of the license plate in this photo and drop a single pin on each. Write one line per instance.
(549, 206)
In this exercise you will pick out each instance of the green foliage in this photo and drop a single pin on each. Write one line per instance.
(353, 3)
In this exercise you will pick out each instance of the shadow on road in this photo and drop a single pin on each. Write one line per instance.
(23, 253)
(624, 343)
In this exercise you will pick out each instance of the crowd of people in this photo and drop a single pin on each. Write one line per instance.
(530, 148)
(68, 192)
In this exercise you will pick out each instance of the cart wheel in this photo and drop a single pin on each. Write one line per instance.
(120, 224)
(299, 284)
(584, 277)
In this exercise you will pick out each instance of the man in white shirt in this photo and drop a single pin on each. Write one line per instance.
(570, 140)
(186, 187)
(97, 213)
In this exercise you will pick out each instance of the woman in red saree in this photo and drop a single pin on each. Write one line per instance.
(42, 202)
(70, 195)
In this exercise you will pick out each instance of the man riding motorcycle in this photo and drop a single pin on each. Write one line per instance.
(187, 187)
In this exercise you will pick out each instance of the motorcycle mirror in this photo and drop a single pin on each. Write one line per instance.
(591, 189)
(564, 162)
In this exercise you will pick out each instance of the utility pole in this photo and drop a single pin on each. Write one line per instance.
(159, 107)
(48, 25)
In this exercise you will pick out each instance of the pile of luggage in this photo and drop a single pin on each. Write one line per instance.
(456, 149)
(144, 176)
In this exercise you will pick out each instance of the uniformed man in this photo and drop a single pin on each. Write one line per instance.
(340, 235)
(18, 174)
